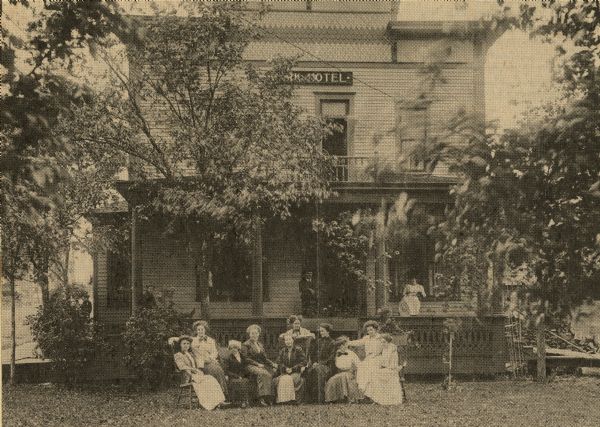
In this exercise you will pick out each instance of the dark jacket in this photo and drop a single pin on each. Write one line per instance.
(235, 368)
(255, 354)
(323, 351)
(295, 360)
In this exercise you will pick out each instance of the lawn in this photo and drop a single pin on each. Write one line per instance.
(567, 401)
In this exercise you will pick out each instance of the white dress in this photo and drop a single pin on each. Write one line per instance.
(207, 388)
(411, 304)
(386, 388)
(368, 368)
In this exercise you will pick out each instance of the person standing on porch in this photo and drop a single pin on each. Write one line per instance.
(368, 368)
(322, 357)
(411, 304)
(292, 362)
(258, 364)
(205, 350)
(207, 388)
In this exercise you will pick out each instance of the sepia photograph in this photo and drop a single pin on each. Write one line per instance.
(300, 213)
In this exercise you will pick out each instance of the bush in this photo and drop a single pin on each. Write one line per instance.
(65, 333)
(145, 341)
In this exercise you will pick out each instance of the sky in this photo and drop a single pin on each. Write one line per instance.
(518, 69)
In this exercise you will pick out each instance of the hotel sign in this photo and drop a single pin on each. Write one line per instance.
(322, 78)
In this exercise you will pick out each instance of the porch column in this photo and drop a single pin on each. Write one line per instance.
(136, 261)
(257, 273)
(380, 264)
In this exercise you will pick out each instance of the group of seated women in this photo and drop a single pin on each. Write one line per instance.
(307, 369)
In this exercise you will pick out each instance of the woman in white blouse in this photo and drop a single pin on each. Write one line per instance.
(342, 386)
(387, 389)
(205, 351)
(368, 368)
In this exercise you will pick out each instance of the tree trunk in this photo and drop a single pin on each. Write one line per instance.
(541, 349)
(41, 276)
(13, 332)
(202, 269)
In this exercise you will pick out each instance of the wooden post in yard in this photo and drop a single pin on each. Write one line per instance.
(257, 273)
(541, 348)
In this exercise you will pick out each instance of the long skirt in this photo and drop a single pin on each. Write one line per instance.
(342, 386)
(207, 390)
(239, 390)
(213, 369)
(366, 371)
(289, 387)
(386, 388)
(264, 380)
(317, 377)
(410, 305)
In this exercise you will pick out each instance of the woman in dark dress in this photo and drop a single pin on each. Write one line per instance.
(235, 369)
(289, 385)
(258, 365)
(322, 361)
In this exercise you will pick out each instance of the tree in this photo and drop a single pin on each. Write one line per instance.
(531, 194)
(213, 144)
(31, 100)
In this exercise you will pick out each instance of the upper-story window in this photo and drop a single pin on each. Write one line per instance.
(412, 132)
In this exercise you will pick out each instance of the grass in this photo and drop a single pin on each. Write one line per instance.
(566, 401)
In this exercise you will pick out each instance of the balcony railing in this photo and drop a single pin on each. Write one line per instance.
(370, 169)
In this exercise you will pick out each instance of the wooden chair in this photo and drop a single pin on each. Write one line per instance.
(185, 383)
(186, 387)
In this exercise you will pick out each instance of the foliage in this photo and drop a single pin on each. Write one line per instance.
(530, 196)
(145, 340)
(65, 333)
(228, 144)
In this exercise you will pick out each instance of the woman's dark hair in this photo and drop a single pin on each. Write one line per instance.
(327, 326)
(203, 323)
(293, 318)
(180, 340)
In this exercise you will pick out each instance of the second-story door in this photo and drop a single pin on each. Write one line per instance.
(336, 112)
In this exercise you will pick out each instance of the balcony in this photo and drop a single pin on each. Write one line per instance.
(379, 169)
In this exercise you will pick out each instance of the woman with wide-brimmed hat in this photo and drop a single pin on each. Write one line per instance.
(207, 388)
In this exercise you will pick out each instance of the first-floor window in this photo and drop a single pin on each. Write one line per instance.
(230, 275)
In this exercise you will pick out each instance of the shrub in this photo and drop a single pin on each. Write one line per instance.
(145, 341)
(65, 333)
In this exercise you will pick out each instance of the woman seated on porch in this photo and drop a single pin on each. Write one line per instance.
(292, 362)
(386, 388)
(235, 369)
(410, 305)
(258, 365)
(368, 368)
(205, 350)
(207, 388)
(322, 356)
(343, 386)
